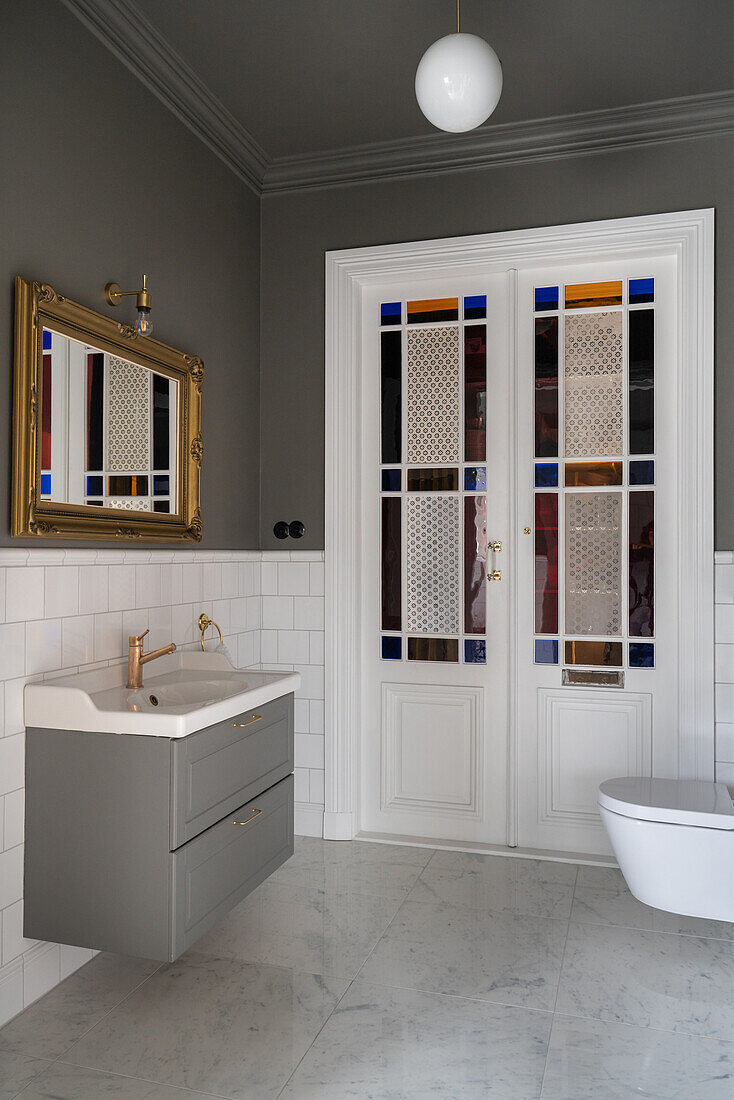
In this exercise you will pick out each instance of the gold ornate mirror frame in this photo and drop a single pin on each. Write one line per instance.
(38, 306)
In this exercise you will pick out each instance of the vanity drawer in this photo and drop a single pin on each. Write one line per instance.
(218, 869)
(222, 767)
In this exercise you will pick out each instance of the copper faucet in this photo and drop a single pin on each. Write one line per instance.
(136, 658)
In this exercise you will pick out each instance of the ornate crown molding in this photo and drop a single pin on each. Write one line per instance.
(129, 34)
(508, 143)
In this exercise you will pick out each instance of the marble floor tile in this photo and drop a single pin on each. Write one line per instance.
(49, 1027)
(388, 1043)
(214, 1025)
(16, 1070)
(608, 1061)
(65, 1082)
(368, 872)
(651, 979)
(308, 929)
(471, 953)
(597, 905)
(531, 886)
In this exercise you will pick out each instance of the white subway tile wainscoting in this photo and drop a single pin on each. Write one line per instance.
(64, 611)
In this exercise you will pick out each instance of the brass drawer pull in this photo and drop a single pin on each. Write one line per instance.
(254, 815)
(255, 718)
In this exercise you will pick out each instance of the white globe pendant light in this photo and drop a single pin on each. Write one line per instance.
(458, 81)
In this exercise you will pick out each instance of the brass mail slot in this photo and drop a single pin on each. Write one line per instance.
(587, 677)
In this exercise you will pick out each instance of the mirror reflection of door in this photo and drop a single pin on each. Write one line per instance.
(108, 429)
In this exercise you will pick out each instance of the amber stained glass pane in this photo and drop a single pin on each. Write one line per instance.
(593, 473)
(475, 392)
(390, 395)
(431, 479)
(391, 563)
(641, 564)
(546, 563)
(546, 387)
(475, 565)
(642, 381)
(593, 653)
(126, 485)
(582, 295)
(435, 309)
(433, 649)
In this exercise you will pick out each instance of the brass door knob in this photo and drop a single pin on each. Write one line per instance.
(495, 575)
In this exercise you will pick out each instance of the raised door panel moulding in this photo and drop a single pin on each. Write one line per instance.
(585, 737)
(432, 749)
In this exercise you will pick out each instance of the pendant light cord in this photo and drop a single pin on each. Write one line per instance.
(458, 17)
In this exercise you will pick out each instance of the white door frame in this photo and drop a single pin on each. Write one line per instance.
(689, 235)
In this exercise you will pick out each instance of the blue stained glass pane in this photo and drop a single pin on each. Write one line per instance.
(475, 477)
(45, 485)
(161, 484)
(546, 297)
(642, 473)
(46, 340)
(642, 655)
(475, 306)
(546, 475)
(641, 290)
(390, 313)
(95, 486)
(392, 648)
(546, 651)
(391, 481)
(475, 651)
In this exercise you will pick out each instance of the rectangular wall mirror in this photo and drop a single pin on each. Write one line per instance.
(106, 427)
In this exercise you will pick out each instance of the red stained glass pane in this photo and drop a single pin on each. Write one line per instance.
(391, 579)
(546, 387)
(642, 564)
(46, 414)
(475, 565)
(475, 392)
(546, 563)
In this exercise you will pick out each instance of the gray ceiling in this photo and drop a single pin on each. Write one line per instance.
(313, 75)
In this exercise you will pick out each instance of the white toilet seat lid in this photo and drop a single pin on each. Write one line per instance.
(678, 801)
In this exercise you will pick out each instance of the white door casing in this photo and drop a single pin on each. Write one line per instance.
(687, 238)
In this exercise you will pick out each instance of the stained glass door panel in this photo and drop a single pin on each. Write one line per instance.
(597, 359)
(436, 441)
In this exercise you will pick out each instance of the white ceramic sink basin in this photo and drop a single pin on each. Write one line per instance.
(183, 692)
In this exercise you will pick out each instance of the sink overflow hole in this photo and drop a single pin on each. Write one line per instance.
(154, 700)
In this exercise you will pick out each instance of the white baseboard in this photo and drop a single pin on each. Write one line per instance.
(308, 819)
(339, 826)
(11, 990)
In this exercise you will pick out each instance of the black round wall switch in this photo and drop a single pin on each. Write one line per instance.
(281, 530)
(296, 529)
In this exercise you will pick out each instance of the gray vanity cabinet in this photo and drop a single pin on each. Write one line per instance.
(139, 844)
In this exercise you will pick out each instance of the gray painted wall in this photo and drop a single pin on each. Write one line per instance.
(99, 181)
(297, 229)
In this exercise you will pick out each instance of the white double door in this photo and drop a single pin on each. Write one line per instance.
(518, 570)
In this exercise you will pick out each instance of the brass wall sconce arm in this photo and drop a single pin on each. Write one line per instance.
(114, 294)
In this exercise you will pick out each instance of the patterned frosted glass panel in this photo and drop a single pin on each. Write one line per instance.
(641, 564)
(546, 563)
(642, 381)
(593, 376)
(128, 415)
(390, 395)
(475, 565)
(434, 395)
(593, 563)
(593, 653)
(475, 392)
(546, 387)
(432, 564)
(391, 567)
(593, 473)
(433, 479)
(433, 649)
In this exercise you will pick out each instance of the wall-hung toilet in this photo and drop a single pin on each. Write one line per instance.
(674, 842)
